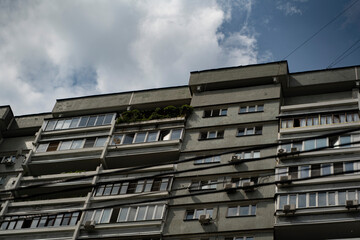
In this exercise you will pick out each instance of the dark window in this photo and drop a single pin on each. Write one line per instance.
(89, 142)
(338, 167)
(315, 170)
(52, 146)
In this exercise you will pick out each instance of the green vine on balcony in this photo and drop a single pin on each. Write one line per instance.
(137, 115)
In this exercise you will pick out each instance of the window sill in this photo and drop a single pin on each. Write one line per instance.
(215, 116)
(207, 139)
(249, 135)
(250, 112)
(240, 216)
(206, 163)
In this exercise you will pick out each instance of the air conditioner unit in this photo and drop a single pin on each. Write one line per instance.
(289, 208)
(9, 161)
(235, 158)
(89, 225)
(294, 149)
(230, 187)
(351, 203)
(285, 179)
(204, 219)
(281, 151)
(248, 186)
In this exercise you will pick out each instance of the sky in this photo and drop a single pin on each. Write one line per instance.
(61, 49)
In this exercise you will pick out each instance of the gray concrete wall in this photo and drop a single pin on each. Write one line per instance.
(237, 95)
(238, 73)
(120, 101)
(271, 111)
(230, 140)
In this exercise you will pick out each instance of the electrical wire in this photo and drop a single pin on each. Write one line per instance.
(322, 28)
(181, 171)
(342, 57)
(283, 183)
(129, 170)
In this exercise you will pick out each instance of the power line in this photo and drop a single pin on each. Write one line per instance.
(181, 196)
(342, 57)
(191, 169)
(322, 28)
(173, 172)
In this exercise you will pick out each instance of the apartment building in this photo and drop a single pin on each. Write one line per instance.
(241, 153)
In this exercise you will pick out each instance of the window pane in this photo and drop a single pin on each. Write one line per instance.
(345, 141)
(351, 195)
(97, 215)
(257, 154)
(100, 142)
(132, 214)
(74, 219)
(108, 119)
(66, 124)
(199, 212)
(223, 112)
(140, 137)
(100, 120)
(77, 144)
(65, 145)
(89, 142)
(216, 112)
(106, 215)
(312, 199)
(326, 169)
(309, 144)
(176, 134)
(212, 134)
(74, 122)
(210, 212)
(242, 109)
(141, 213)
(322, 199)
(304, 171)
(342, 197)
(232, 211)
(123, 214)
(349, 166)
(91, 121)
(260, 108)
(241, 132)
(53, 146)
(189, 214)
(164, 135)
(244, 210)
(315, 170)
(207, 113)
(331, 198)
(59, 124)
(150, 212)
(251, 108)
(292, 200)
(250, 131)
(35, 223)
(83, 121)
(50, 125)
(129, 138)
(159, 211)
(107, 190)
(283, 201)
(152, 137)
(302, 200)
(115, 189)
(116, 139)
(321, 143)
(247, 155)
(58, 220)
(253, 210)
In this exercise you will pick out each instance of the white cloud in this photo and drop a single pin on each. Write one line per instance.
(59, 49)
(289, 8)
